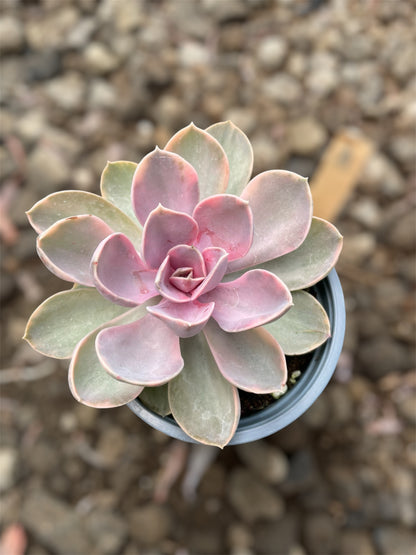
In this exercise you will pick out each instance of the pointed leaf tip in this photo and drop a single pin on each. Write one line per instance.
(116, 184)
(66, 248)
(165, 178)
(239, 153)
(303, 328)
(64, 204)
(312, 260)
(206, 155)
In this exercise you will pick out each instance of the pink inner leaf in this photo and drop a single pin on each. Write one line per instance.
(165, 178)
(225, 221)
(145, 352)
(185, 319)
(281, 203)
(255, 298)
(216, 260)
(206, 155)
(166, 287)
(120, 274)
(163, 230)
(184, 256)
(252, 360)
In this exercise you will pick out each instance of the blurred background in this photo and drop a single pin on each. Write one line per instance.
(85, 81)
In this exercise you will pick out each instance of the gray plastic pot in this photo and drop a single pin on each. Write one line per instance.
(298, 399)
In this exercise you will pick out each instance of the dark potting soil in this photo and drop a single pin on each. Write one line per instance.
(253, 402)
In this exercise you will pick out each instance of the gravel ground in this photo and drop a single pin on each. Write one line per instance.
(85, 81)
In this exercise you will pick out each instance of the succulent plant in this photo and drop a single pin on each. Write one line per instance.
(188, 280)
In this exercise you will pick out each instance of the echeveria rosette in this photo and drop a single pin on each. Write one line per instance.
(188, 280)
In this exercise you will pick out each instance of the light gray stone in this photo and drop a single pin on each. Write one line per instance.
(252, 499)
(8, 464)
(107, 530)
(407, 408)
(271, 52)
(50, 30)
(55, 524)
(99, 59)
(306, 136)
(367, 212)
(282, 88)
(267, 153)
(129, 15)
(276, 538)
(317, 415)
(320, 533)
(382, 355)
(31, 125)
(402, 235)
(11, 34)
(150, 524)
(101, 94)
(392, 539)
(244, 118)
(81, 33)
(356, 542)
(269, 462)
(67, 91)
(47, 170)
(224, 11)
(193, 54)
(358, 247)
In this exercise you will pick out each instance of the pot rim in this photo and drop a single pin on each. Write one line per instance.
(299, 398)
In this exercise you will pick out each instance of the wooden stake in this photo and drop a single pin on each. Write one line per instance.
(338, 173)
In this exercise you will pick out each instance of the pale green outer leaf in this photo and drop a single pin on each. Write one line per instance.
(115, 186)
(65, 204)
(303, 327)
(203, 403)
(207, 157)
(89, 382)
(239, 152)
(156, 399)
(310, 262)
(60, 322)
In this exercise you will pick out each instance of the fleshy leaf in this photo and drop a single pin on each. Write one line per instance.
(89, 382)
(239, 153)
(60, 322)
(183, 256)
(281, 203)
(207, 157)
(66, 248)
(185, 319)
(312, 261)
(165, 178)
(145, 352)
(203, 403)
(120, 274)
(249, 301)
(303, 328)
(65, 204)
(224, 221)
(156, 399)
(116, 182)
(165, 229)
(252, 360)
(165, 285)
(216, 265)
